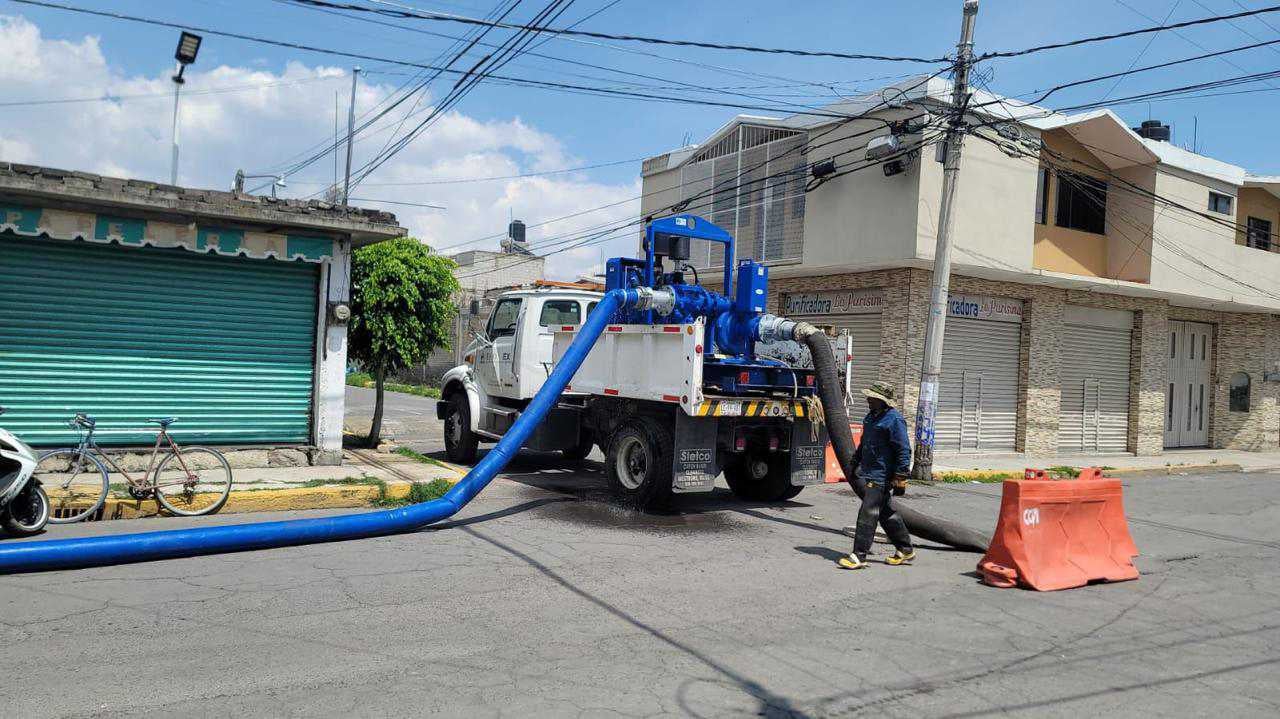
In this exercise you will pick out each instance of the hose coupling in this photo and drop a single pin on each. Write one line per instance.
(773, 328)
(660, 301)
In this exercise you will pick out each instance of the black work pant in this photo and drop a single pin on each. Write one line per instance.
(877, 506)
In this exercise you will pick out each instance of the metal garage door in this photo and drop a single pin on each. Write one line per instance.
(978, 394)
(225, 344)
(858, 312)
(1094, 373)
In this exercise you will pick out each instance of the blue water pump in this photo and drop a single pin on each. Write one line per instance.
(732, 325)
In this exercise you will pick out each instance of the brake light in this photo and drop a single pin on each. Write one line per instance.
(773, 442)
(740, 443)
(809, 380)
(744, 378)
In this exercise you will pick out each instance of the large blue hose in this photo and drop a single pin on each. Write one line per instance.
(144, 546)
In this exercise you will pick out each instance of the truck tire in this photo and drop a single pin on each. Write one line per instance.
(758, 479)
(638, 463)
(459, 441)
(586, 443)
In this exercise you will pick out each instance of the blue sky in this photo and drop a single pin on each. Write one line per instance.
(587, 130)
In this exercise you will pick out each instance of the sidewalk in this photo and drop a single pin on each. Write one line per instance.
(365, 479)
(1173, 461)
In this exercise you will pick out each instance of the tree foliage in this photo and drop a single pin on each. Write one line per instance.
(400, 308)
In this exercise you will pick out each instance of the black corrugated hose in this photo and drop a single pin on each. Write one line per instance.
(829, 392)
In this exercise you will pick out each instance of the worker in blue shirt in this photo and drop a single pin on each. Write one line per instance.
(883, 461)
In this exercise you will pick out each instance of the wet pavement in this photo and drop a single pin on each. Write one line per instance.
(543, 598)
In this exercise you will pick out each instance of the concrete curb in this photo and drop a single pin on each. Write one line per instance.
(992, 475)
(268, 500)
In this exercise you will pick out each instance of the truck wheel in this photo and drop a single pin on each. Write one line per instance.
(586, 443)
(638, 464)
(459, 441)
(761, 479)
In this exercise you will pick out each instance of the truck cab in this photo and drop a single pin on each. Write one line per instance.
(505, 366)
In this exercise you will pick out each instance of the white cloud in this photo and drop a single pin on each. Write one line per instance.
(272, 116)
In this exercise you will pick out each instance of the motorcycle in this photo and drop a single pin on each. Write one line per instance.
(24, 506)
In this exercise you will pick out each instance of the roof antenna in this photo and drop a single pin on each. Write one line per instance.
(1195, 133)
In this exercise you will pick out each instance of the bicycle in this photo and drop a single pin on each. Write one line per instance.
(186, 482)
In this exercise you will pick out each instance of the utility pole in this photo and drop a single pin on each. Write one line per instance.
(931, 368)
(177, 94)
(351, 131)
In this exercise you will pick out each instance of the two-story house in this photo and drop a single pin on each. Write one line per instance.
(1111, 292)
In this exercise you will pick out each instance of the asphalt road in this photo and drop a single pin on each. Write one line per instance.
(543, 599)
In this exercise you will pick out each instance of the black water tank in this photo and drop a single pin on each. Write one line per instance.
(1153, 130)
(516, 231)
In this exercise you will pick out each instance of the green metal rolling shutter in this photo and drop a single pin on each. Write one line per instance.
(123, 334)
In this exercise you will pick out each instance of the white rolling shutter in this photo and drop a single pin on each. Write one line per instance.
(1094, 376)
(978, 395)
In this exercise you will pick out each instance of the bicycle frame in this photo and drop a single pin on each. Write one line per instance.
(88, 443)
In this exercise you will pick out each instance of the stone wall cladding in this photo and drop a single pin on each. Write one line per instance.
(1040, 396)
(1246, 343)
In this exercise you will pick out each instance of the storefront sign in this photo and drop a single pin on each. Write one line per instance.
(833, 302)
(978, 307)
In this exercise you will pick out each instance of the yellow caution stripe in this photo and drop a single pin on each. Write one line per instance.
(749, 408)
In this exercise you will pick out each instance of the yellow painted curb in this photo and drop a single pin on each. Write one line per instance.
(268, 500)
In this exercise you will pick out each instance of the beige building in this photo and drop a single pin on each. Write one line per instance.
(1111, 292)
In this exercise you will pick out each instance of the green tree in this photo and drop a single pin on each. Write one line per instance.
(400, 310)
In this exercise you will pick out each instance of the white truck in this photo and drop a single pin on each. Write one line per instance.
(641, 397)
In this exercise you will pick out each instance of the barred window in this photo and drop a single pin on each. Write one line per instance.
(751, 184)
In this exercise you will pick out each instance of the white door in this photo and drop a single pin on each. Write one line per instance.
(495, 364)
(1186, 423)
(1094, 374)
(978, 394)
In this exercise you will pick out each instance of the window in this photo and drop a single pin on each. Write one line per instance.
(1220, 203)
(504, 317)
(1240, 385)
(1042, 196)
(591, 307)
(1082, 203)
(1259, 235)
(560, 312)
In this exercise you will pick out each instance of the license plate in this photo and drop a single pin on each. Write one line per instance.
(730, 409)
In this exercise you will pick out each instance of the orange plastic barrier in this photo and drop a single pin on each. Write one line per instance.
(1057, 535)
(834, 473)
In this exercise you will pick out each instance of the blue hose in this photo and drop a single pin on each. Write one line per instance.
(144, 546)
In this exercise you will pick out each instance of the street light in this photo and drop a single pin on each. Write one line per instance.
(188, 48)
(276, 181)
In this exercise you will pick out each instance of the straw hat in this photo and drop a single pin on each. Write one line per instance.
(882, 391)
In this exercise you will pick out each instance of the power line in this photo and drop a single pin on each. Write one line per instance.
(1064, 163)
(1132, 71)
(108, 97)
(489, 64)
(806, 147)
(1129, 33)
(467, 180)
(679, 84)
(1143, 51)
(589, 238)
(402, 11)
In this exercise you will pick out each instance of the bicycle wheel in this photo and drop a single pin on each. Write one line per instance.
(195, 482)
(75, 481)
